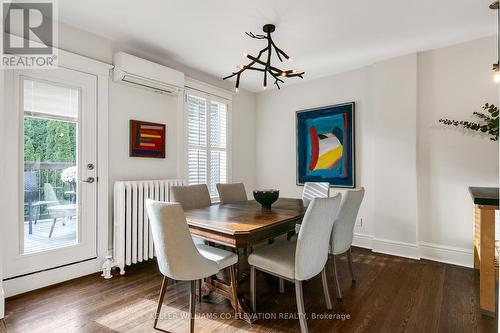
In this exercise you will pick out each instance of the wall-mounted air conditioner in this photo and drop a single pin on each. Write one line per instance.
(145, 74)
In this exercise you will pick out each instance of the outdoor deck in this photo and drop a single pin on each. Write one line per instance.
(63, 235)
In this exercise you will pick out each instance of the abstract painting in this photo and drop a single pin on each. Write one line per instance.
(325, 145)
(147, 139)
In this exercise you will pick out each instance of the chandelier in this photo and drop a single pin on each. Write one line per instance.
(255, 62)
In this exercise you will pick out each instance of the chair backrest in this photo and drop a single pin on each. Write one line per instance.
(49, 193)
(343, 228)
(177, 256)
(30, 186)
(232, 192)
(314, 190)
(314, 237)
(192, 196)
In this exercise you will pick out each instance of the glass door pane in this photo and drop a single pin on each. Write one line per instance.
(50, 166)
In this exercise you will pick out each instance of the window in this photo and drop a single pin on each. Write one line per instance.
(207, 140)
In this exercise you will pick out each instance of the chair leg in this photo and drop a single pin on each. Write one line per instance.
(339, 292)
(234, 282)
(52, 227)
(328, 301)
(300, 306)
(192, 305)
(160, 300)
(252, 288)
(349, 257)
(282, 285)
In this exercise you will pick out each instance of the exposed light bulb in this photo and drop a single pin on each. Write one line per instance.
(236, 90)
(283, 74)
(264, 87)
(244, 54)
(294, 71)
(496, 76)
(240, 66)
(290, 59)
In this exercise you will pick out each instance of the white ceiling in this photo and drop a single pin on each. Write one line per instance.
(324, 37)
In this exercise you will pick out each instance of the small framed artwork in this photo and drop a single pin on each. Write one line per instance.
(325, 145)
(147, 139)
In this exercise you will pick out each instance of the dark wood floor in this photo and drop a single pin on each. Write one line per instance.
(392, 294)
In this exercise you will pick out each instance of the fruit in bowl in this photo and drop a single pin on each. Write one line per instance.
(266, 197)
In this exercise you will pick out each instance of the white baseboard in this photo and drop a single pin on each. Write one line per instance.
(396, 248)
(363, 240)
(447, 254)
(422, 250)
(46, 278)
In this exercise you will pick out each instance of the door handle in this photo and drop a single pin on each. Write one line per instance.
(89, 180)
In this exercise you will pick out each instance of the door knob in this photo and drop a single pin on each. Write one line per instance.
(89, 180)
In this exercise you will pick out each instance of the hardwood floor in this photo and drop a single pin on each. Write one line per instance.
(391, 294)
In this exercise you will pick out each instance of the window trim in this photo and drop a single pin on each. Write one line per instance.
(195, 89)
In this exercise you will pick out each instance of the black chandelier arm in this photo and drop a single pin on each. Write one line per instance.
(250, 34)
(246, 66)
(280, 51)
(257, 60)
(301, 75)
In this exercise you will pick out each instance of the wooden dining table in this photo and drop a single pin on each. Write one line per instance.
(241, 226)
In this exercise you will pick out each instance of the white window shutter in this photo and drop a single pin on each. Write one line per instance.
(207, 141)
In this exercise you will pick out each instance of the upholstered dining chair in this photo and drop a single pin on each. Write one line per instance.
(301, 259)
(178, 257)
(231, 192)
(191, 196)
(343, 231)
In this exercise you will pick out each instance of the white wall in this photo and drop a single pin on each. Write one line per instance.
(243, 140)
(393, 86)
(131, 103)
(416, 173)
(453, 82)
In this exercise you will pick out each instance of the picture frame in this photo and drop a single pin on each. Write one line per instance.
(325, 145)
(147, 139)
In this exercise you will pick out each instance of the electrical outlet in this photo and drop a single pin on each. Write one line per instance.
(359, 222)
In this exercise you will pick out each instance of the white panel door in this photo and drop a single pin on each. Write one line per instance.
(56, 113)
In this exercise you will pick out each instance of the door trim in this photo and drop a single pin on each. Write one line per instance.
(12, 287)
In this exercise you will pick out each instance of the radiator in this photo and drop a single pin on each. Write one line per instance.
(132, 240)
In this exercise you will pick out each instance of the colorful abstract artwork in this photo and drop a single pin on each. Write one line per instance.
(147, 139)
(325, 145)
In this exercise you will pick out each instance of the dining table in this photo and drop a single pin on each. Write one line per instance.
(241, 226)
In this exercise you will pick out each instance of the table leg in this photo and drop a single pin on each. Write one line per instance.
(487, 261)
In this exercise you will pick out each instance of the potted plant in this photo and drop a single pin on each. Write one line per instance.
(487, 122)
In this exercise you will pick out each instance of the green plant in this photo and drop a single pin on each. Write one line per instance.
(488, 121)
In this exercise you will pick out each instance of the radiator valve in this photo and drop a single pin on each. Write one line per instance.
(107, 266)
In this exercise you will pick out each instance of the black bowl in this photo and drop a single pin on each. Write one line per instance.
(266, 197)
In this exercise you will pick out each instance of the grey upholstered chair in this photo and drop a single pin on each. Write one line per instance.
(179, 258)
(343, 231)
(191, 196)
(302, 259)
(231, 192)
